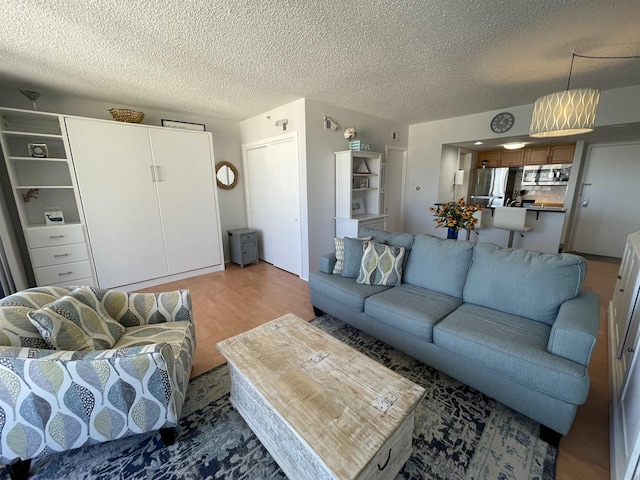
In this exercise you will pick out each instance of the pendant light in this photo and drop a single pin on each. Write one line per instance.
(569, 112)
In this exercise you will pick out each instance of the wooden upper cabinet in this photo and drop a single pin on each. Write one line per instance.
(512, 158)
(492, 159)
(562, 154)
(536, 156)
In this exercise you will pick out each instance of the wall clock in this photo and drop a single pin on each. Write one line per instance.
(502, 122)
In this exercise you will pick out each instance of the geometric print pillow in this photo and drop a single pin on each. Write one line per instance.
(339, 243)
(381, 265)
(76, 322)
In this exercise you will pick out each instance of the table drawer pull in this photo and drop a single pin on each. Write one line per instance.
(61, 255)
(56, 236)
(385, 463)
(65, 273)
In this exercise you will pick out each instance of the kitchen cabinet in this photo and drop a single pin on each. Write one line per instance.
(512, 158)
(624, 366)
(536, 156)
(359, 192)
(562, 154)
(42, 177)
(490, 159)
(149, 199)
(549, 155)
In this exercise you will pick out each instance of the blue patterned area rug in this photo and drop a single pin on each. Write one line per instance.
(459, 434)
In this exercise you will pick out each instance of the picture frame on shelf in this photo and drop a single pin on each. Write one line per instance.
(357, 205)
(38, 150)
(200, 127)
(363, 183)
(53, 217)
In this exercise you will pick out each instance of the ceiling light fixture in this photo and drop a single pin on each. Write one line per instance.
(568, 112)
(514, 145)
(478, 143)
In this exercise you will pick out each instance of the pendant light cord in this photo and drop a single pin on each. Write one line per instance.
(574, 55)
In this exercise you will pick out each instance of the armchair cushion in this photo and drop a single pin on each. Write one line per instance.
(77, 321)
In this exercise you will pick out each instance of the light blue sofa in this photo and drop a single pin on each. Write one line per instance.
(513, 324)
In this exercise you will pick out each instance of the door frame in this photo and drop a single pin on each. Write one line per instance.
(247, 192)
(404, 150)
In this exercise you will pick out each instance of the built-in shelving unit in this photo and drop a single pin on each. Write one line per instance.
(359, 192)
(38, 160)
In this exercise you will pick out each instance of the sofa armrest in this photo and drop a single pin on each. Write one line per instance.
(63, 400)
(327, 262)
(575, 331)
(134, 309)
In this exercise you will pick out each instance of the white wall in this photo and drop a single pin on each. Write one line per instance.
(226, 142)
(426, 141)
(448, 167)
(321, 168)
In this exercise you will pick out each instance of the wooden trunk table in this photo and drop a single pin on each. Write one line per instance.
(322, 409)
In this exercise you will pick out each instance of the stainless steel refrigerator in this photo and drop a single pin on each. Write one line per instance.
(489, 187)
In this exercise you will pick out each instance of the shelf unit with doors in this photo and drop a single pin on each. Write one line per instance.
(42, 178)
(359, 192)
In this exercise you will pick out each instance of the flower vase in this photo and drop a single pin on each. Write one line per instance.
(452, 233)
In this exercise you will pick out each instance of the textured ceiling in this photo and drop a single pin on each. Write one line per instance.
(404, 60)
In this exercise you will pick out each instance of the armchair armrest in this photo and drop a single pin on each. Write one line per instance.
(62, 400)
(575, 331)
(134, 309)
(327, 262)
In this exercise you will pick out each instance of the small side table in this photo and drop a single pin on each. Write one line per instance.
(243, 244)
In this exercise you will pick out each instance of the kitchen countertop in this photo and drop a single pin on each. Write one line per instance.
(533, 208)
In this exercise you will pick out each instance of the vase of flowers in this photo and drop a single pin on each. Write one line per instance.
(456, 216)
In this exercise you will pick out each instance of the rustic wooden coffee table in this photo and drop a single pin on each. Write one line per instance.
(321, 409)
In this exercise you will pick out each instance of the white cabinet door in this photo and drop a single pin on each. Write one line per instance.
(188, 207)
(113, 164)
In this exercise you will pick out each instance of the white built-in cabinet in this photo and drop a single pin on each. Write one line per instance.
(359, 192)
(624, 321)
(149, 200)
(42, 177)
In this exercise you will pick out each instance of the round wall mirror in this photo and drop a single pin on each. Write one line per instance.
(226, 175)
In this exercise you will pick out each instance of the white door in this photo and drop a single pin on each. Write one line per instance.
(114, 169)
(395, 165)
(185, 181)
(608, 206)
(274, 202)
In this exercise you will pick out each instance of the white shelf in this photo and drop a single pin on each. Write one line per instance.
(32, 134)
(37, 159)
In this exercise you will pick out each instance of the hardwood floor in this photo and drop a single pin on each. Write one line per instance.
(230, 302)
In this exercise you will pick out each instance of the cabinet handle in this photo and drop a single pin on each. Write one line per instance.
(65, 273)
(630, 350)
(385, 463)
(619, 277)
(61, 255)
(153, 174)
(56, 236)
(622, 289)
(158, 174)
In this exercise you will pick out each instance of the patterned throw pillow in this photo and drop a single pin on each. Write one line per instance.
(381, 265)
(339, 243)
(76, 322)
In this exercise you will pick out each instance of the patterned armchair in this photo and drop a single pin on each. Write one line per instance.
(82, 365)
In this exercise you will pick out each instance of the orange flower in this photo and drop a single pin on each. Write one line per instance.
(456, 215)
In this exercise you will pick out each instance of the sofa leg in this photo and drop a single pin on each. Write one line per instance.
(317, 312)
(550, 436)
(19, 469)
(168, 436)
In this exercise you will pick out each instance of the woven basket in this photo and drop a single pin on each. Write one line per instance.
(125, 115)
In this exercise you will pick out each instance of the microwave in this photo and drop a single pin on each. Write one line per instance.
(546, 174)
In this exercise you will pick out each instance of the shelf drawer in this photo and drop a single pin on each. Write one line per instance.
(46, 256)
(248, 237)
(65, 273)
(53, 236)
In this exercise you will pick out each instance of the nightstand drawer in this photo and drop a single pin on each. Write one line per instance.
(46, 256)
(64, 273)
(248, 237)
(52, 236)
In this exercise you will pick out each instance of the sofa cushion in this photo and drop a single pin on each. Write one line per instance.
(439, 265)
(353, 251)
(511, 346)
(522, 282)
(381, 265)
(413, 310)
(16, 330)
(339, 245)
(395, 239)
(342, 290)
(76, 322)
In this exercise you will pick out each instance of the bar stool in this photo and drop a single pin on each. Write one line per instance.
(512, 219)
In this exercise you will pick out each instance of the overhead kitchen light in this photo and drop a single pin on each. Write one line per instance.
(569, 112)
(478, 143)
(514, 145)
